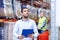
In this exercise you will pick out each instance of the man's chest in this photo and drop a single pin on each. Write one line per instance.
(26, 25)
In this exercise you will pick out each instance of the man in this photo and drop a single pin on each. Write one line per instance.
(42, 24)
(24, 23)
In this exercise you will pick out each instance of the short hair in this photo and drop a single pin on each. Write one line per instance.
(23, 8)
(42, 11)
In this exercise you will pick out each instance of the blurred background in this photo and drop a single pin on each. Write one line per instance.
(10, 12)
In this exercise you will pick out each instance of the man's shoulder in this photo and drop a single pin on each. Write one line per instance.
(44, 17)
(31, 20)
(18, 20)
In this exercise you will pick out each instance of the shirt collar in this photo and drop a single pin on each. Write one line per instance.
(25, 20)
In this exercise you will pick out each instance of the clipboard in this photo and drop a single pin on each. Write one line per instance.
(26, 32)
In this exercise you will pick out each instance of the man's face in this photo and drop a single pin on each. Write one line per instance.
(25, 13)
(41, 14)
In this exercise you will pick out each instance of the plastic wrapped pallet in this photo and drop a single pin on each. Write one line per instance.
(9, 11)
(8, 8)
(17, 9)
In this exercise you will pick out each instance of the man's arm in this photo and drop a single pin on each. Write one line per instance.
(44, 23)
(35, 29)
(16, 30)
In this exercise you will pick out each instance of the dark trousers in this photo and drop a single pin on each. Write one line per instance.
(40, 31)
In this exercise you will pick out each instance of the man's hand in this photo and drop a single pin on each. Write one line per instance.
(31, 36)
(20, 37)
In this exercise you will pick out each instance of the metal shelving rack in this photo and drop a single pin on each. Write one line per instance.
(1, 31)
(9, 14)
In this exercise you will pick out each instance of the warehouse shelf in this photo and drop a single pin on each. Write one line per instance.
(11, 12)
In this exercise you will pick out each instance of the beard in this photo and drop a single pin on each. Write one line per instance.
(25, 16)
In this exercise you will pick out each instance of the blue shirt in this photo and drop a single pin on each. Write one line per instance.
(21, 24)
